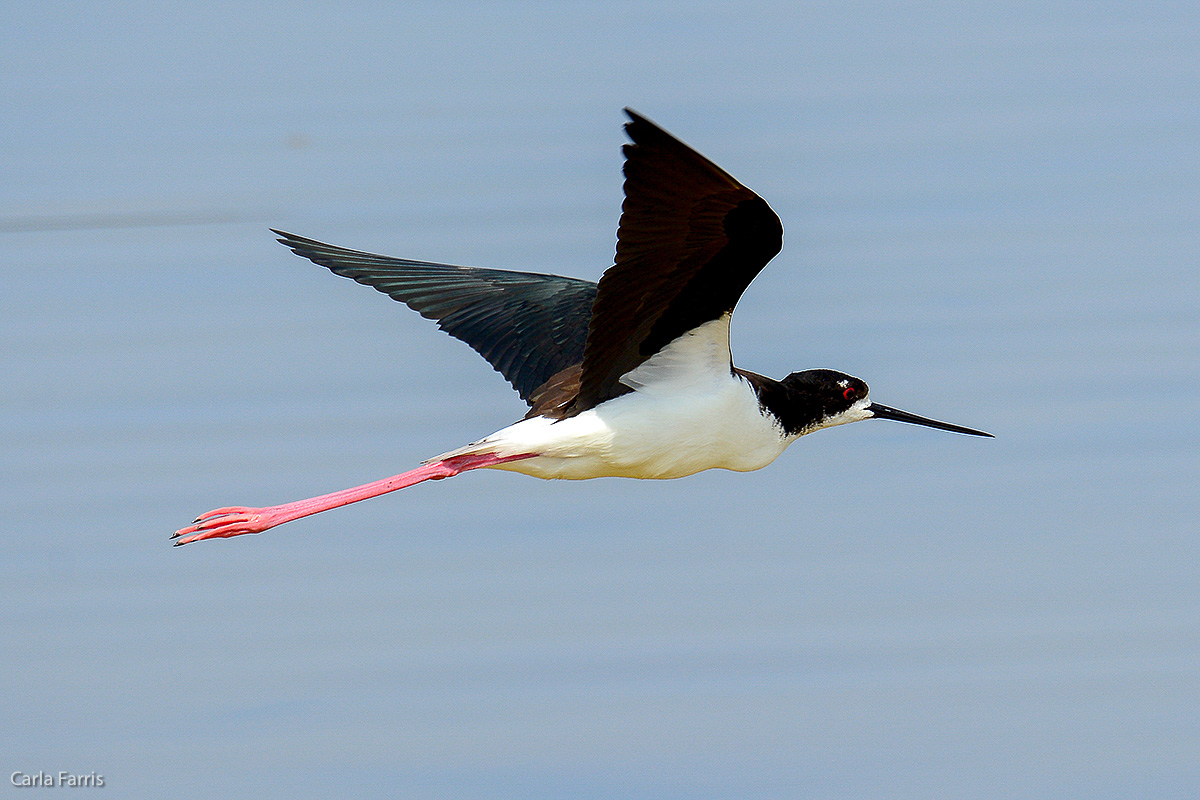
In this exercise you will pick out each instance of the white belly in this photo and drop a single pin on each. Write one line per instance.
(646, 435)
(688, 412)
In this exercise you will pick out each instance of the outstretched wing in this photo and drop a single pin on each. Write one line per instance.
(690, 241)
(527, 325)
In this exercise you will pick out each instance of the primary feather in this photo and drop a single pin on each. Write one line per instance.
(527, 325)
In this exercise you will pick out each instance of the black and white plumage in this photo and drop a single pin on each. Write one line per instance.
(629, 377)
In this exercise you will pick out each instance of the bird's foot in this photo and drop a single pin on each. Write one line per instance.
(223, 523)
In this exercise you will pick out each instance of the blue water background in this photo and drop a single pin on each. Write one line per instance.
(992, 216)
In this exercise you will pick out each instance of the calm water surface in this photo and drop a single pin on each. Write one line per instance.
(991, 217)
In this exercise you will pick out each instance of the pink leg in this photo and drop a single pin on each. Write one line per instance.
(222, 523)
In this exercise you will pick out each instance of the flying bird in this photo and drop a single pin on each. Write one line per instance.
(629, 377)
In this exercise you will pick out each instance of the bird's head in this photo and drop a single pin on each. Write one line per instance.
(823, 398)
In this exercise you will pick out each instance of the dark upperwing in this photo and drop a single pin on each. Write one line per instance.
(527, 325)
(691, 240)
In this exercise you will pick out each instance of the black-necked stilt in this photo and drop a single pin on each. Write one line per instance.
(629, 377)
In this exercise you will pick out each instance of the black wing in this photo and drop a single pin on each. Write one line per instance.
(691, 239)
(527, 325)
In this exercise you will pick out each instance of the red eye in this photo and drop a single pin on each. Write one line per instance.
(849, 392)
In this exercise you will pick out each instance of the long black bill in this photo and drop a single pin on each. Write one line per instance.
(887, 412)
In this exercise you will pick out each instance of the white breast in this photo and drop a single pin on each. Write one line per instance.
(688, 412)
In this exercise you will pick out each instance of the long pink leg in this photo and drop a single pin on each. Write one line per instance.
(222, 523)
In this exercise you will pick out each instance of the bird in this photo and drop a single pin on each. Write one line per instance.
(628, 377)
